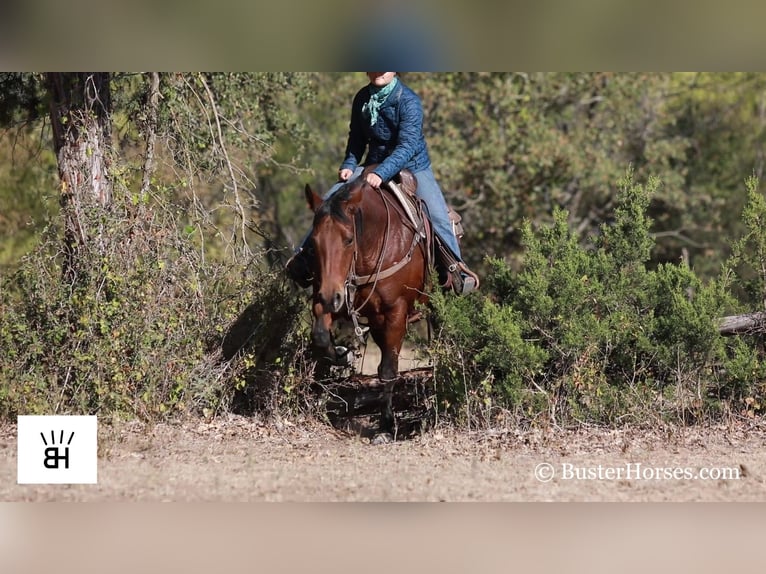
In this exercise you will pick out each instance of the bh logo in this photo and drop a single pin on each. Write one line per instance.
(57, 449)
(52, 453)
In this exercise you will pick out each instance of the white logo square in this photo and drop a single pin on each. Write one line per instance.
(57, 449)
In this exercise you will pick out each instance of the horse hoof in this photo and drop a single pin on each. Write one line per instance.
(344, 356)
(382, 438)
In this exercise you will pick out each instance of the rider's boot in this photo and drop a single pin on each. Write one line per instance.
(454, 275)
(300, 267)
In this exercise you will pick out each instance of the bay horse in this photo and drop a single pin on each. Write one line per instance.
(370, 261)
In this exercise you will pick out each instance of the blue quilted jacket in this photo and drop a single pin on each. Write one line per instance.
(395, 141)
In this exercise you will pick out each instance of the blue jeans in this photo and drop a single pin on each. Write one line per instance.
(430, 192)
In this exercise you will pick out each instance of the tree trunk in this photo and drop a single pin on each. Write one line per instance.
(80, 111)
(150, 127)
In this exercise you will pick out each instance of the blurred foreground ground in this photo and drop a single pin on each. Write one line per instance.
(243, 459)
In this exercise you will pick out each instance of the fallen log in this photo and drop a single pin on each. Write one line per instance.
(364, 394)
(747, 324)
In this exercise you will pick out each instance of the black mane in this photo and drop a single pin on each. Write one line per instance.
(334, 206)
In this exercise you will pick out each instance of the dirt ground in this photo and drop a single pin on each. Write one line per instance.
(243, 459)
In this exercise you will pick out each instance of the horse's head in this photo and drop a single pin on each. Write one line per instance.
(336, 228)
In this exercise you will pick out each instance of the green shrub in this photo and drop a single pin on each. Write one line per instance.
(586, 332)
(741, 374)
(153, 324)
(746, 267)
(480, 340)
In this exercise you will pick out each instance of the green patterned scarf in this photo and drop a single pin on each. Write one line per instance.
(377, 97)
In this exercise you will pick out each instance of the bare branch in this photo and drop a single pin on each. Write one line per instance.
(151, 131)
(677, 234)
(230, 167)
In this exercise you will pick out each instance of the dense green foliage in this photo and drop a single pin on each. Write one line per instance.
(175, 306)
(152, 326)
(588, 332)
(601, 290)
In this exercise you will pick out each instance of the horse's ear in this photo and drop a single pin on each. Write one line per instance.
(355, 195)
(313, 199)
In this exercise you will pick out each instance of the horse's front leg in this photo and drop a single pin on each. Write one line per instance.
(389, 335)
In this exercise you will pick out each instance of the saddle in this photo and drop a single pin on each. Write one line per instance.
(451, 271)
(403, 187)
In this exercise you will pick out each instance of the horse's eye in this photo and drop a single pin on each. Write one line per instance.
(347, 242)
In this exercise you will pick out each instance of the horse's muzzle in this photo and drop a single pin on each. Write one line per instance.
(321, 338)
(334, 303)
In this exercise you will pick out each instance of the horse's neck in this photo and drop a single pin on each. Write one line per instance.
(382, 228)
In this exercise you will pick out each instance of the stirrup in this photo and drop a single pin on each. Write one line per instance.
(461, 280)
(469, 285)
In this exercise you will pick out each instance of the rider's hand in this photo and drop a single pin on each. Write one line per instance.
(344, 174)
(374, 180)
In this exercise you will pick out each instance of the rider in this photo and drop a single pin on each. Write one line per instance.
(387, 121)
